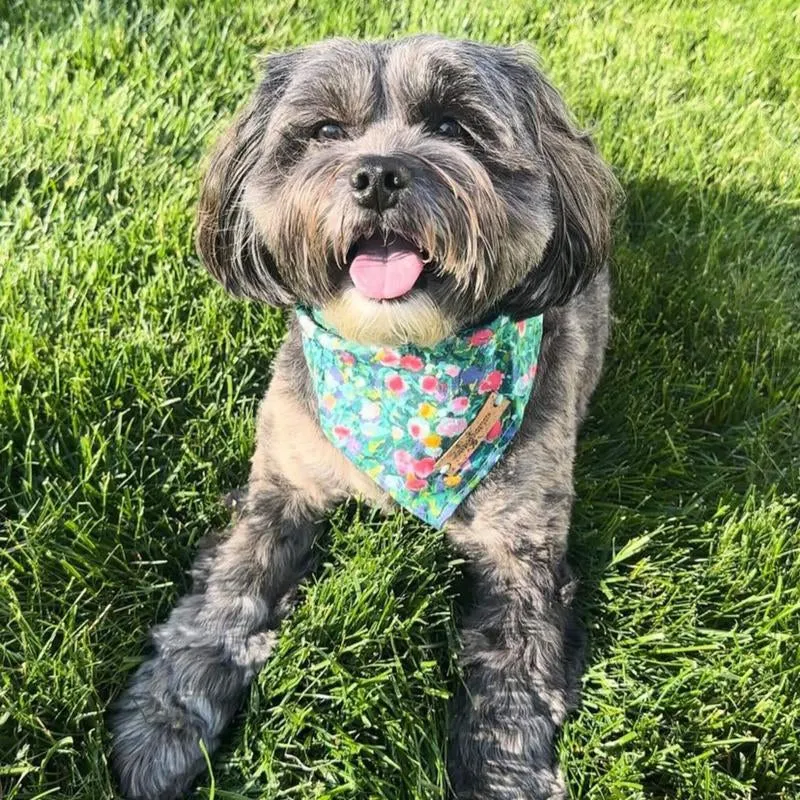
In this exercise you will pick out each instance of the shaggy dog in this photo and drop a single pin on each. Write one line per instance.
(401, 192)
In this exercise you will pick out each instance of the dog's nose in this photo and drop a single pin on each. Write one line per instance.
(378, 181)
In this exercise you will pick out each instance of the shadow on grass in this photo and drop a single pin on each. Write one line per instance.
(698, 406)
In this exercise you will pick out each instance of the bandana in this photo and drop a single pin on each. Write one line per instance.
(426, 424)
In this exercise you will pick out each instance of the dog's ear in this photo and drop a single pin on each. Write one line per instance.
(584, 193)
(227, 240)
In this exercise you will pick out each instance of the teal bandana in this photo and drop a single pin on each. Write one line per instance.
(426, 425)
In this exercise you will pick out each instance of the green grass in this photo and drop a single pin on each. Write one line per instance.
(128, 385)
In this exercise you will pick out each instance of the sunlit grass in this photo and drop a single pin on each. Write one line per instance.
(128, 385)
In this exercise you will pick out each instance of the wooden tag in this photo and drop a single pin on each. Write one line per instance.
(466, 444)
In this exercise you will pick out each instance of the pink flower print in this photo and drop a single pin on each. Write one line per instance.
(491, 383)
(480, 337)
(370, 410)
(414, 484)
(418, 428)
(389, 358)
(403, 462)
(347, 358)
(458, 405)
(428, 383)
(424, 467)
(341, 431)
(521, 326)
(533, 370)
(494, 431)
(452, 370)
(414, 363)
(451, 426)
(395, 384)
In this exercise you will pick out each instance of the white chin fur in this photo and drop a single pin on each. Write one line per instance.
(416, 320)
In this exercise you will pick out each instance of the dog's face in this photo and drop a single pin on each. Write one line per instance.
(406, 189)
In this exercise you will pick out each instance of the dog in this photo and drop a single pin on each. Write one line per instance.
(396, 195)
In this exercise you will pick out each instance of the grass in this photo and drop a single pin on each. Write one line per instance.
(128, 384)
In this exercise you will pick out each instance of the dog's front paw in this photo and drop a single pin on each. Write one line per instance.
(156, 736)
(491, 767)
(544, 784)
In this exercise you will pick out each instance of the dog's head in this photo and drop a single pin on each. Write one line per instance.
(406, 189)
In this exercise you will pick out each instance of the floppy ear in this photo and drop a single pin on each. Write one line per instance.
(584, 194)
(227, 240)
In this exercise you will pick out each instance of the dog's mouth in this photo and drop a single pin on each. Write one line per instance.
(385, 270)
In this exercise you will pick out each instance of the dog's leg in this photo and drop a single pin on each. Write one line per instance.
(523, 647)
(519, 663)
(219, 636)
(210, 648)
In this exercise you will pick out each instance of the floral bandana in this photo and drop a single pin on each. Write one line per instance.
(400, 414)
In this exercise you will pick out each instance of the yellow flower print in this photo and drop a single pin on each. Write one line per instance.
(427, 411)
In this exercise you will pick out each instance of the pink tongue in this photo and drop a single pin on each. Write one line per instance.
(385, 271)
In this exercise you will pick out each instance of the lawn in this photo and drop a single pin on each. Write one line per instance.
(129, 382)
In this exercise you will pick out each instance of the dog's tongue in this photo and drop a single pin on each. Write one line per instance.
(382, 271)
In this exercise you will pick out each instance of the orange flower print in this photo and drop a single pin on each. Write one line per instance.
(414, 483)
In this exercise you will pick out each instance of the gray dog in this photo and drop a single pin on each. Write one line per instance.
(396, 195)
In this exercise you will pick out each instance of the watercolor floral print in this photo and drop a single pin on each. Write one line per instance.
(394, 411)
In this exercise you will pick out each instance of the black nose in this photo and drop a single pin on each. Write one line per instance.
(378, 181)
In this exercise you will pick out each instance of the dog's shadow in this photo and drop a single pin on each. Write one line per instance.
(693, 413)
(701, 292)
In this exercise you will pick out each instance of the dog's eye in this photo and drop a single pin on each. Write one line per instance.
(330, 131)
(450, 128)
